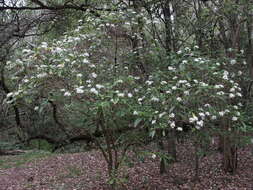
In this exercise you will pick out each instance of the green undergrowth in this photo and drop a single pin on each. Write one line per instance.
(22, 159)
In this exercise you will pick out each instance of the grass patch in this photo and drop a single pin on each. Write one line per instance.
(22, 159)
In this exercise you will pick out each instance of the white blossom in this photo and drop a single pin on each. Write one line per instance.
(200, 123)
(149, 82)
(213, 117)
(94, 75)
(232, 61)
(234, 118)
(172, 115)
(193, 119)
(171, 68)
(221, 113)
(99, 86)
(121, 94)
(155, 99)
(67, 94)
(79, 90)
(130, 95)
(179, 99)
(94, 91)
(231, 95)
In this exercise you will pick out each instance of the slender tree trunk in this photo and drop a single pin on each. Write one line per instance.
(172, 151)
(229, 148)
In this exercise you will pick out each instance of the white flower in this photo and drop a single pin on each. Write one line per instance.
(202, 115)
(36, 108)
(171, 68)
(60, 65)
(196, 81)
(240, 104)
(153, 121)
(44, 45)
(172, 115)
(239, 73)
(130, 95)
(234, 118)
(41, 75)
(94, 91)
(235, 107)
(238, 113)
(179, 99)
(94, 75)
(232, 61)
(149, 82)
(67, 94)
(135, 113)
(182, 81)
(217, 86)
(179, 52)
(232, 90)
(203, 84)
(86, 61)
(79, 90)
(187, 93)
(153, 156)
(225, 77)
(213, 117)
(193, 119)
(231, 95)
(163, 82)
(26, 80)
(79, 75)
(121, 94)
(239, 94)
(168, 92)
(154, 99)
(221, 113)
(200, 123)
(58, 50)
(99, 86)
(174, 87)
(218, 64)
(175, 77)
(220, 93)
(180, 129)
(9, 94)
(207, 113)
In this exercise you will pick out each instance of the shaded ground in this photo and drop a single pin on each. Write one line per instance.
(85, 171)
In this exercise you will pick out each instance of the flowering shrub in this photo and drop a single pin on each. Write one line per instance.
(193, 89)
(76, 72)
